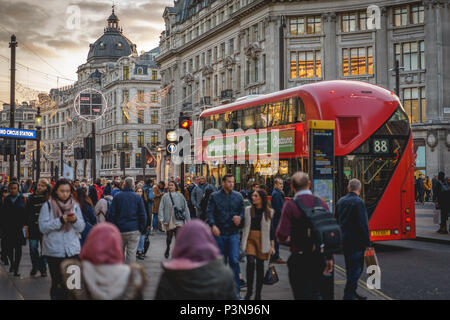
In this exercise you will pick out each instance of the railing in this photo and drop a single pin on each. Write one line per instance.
(124, 146)
(107, 147)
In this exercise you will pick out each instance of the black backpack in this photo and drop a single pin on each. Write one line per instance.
(323, 233)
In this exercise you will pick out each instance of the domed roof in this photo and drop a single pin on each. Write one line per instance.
(111, 45)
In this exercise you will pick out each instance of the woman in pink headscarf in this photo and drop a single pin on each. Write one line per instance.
(104, 276)
(196, 270)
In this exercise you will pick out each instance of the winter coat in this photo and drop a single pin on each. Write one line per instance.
(166, 208)
(106, 282)
(56, 242)
(33, 209)
(90, 220)
(157, 200)
(13, 218)
(214, 281)
(101, 208)
(352, 216)
(265, 231)
(127, 212)
(222, 208)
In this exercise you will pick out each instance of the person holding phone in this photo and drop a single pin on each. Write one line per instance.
(60, 222)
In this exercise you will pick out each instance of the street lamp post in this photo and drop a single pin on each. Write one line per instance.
(38, 125)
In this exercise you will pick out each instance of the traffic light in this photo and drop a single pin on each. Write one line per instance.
(184, 122)
(122, 161)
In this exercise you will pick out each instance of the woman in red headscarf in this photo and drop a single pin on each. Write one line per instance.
(196, 270)
(104, 276)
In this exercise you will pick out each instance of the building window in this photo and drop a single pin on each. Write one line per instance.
(154, 139)
(354, 21)
(197, 63)
(140, 139)
(140, 95)
(154, 117)
(138, 160)
(255, 33)
(127, 160)
(140, 71)
(306, 64)
(414, 102)
(417, 14)
(140, 116)
(125, 137)
(408, 14)
(256, 70)
(222, 50)
(126, 73)
(125, 96)
(231, 47)
(247, 71)
(357, 61)
(154, 75)
(264, 67)
(411, 55)
(305, 25)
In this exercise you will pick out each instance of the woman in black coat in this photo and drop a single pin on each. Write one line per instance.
(13, 220)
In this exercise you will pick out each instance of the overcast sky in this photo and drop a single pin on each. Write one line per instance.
(51, 42)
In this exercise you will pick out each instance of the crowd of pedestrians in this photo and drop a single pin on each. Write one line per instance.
(102, 228)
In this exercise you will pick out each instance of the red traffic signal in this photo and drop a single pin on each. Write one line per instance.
(185, 124)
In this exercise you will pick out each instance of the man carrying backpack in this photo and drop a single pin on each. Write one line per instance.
(148, 189)
(352, 216)
(307, 262)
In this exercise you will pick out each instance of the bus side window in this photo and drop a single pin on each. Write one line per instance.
(299, 107)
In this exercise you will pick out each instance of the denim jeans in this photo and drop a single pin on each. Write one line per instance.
(229, 248)
(141, 243)
(155, 221)
(38, 261)
(354, 263)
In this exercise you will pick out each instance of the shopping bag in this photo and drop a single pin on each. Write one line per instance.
(370, 257)
(437, 216)
(271, 276)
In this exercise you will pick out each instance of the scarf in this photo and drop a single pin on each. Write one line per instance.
(60, 208)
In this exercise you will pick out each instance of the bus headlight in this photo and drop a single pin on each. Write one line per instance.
(408, 228)
(396, 232)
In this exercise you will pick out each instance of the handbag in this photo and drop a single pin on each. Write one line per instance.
(370, 257)
(271, 276)
(178, 213)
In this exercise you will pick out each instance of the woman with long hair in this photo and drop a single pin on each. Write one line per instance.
(60, 222)
(257, 240)
(87, 209)
(140, 251)
(171, 201)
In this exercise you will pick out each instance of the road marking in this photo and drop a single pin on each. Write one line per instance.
(362, 284)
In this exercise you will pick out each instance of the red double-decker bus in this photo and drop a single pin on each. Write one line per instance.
(373, 142)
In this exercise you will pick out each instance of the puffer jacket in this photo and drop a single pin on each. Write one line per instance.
(214, 281)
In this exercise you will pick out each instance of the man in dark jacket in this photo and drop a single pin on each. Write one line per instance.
(13, 220)
(351, 214)
(277, 205)
(128, 213)
(305, 266)
(226, 217)
(33, 209)
(443, 201)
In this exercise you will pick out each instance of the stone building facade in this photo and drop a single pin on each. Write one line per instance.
(213, 52)
(130, 83)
